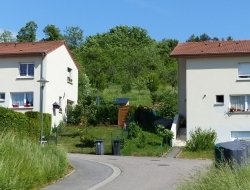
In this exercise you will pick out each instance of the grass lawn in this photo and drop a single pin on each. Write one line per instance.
(208, 154)
(114, 91)
(70, 140)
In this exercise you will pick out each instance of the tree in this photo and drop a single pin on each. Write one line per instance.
(52, 33)
(6, 36)
(73, 37)
(27, 33)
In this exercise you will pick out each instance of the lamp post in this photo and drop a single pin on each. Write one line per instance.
(42, 82)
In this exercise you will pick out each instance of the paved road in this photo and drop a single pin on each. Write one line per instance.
(86, 175)
(137, 173)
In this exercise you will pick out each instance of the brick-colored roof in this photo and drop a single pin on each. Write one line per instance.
(212, 48)
(28, 48)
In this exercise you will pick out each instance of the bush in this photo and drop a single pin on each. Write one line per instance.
(141, 140)
(201, 139)
(133, 130)
(74, 114)
(166, 134)
(87, 140)
(168, 105)
(106, 113)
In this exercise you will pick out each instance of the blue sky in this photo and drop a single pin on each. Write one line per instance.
(176, 19)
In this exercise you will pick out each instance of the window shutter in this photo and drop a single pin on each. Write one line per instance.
(244, 70)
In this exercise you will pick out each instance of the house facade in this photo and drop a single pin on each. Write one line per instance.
(22, 65)
(214, 87)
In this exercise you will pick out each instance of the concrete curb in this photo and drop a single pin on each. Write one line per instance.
(115, 174)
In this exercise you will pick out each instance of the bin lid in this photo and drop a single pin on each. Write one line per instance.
(99, 140)
(234, 145)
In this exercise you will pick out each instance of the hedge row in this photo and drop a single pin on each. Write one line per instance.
(28, 124)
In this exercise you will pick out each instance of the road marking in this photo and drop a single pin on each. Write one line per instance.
(115, 174)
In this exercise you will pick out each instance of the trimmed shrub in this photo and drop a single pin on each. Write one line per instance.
(201, 139)
(35, 123)
(13, 121)
(28, 124)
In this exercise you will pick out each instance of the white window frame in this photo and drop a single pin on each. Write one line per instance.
(244, 71)
(2, 99)
(27, 70)
(26, 105)
(245, 105)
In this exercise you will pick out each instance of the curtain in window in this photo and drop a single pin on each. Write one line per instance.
(23, 69)
(248, 103)
(18, 99)
(238, 102)
(29, 98)
(30, 69)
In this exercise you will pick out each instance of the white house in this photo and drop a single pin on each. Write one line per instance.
(22, 65)
(214, 87)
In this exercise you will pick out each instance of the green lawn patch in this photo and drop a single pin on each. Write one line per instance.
(205, 154)
(70, 139)
(135, 98)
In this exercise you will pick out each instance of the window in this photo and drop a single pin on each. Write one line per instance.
(26, 70)
(69, 77)
(239, 103)
(220, 99)
(244, 70)
(2, 97)
(22, 99)
(242, 135)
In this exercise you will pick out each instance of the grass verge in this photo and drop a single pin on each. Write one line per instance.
(206, 154)
(222, 178)
(27, 165)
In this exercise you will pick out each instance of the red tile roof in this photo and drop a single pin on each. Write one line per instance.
(28, 48)
(212, 48)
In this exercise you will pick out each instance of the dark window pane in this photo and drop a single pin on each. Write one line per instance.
(30, 69)
(23, 69)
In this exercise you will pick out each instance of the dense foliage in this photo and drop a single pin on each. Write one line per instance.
(127, 56)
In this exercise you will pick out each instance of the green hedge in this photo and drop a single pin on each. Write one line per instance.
(27, 124)
(35, 123)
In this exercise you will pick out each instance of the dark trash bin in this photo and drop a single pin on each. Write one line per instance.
(99, 147)
(116, 146)
(237, 151)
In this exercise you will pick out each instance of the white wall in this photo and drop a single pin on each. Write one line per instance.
(182, 87)
(207, 78)
(11, 82)
(55, 68)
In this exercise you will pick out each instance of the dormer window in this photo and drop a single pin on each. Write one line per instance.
(26, 70)
(69, 76)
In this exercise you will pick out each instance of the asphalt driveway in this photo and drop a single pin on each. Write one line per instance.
(128, 173)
